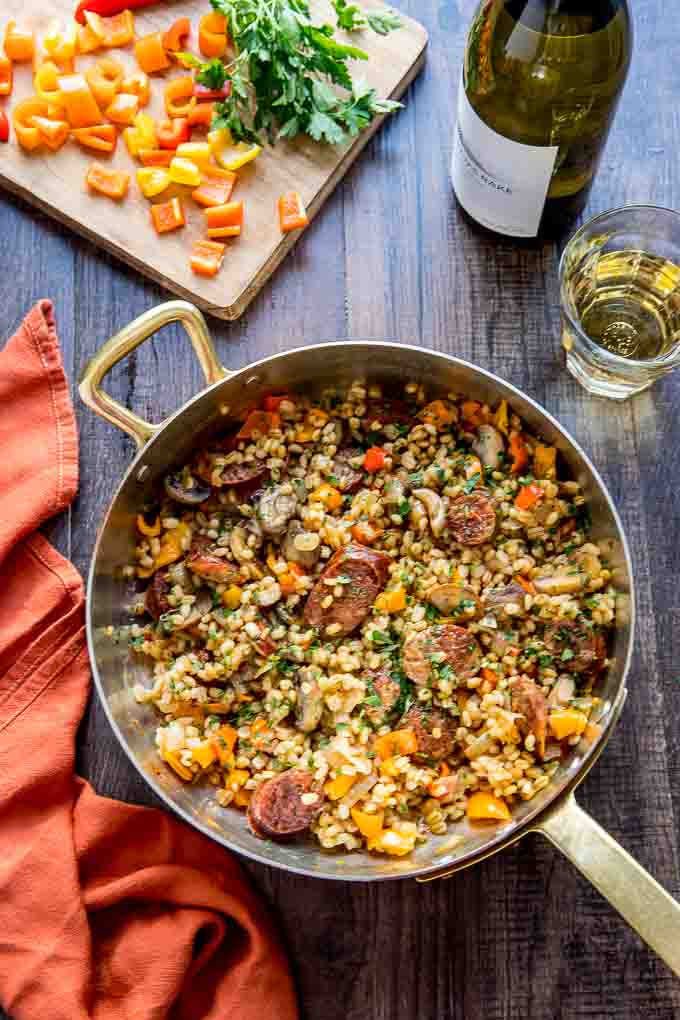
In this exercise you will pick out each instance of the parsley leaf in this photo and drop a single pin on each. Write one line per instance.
(471, 482)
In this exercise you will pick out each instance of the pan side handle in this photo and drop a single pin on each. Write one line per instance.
(638, 897)
(125, 343)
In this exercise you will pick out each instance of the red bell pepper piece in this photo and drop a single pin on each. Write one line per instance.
(171, 133)
(108, 8)
(4, 127)
(374, 459)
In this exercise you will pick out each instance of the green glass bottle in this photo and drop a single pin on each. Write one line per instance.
(541, 83)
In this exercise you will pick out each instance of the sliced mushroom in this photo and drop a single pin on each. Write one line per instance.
(174, 619)
(562, 693)
(239, 547)
(454, 600)
(560, 584)
(512, 594)
(435, 509)
(309, 700)
(488, 446)
(395, 492)
(275, 509)
(301, 546)
(183, 488)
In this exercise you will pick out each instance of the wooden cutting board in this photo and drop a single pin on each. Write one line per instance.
(55, 181)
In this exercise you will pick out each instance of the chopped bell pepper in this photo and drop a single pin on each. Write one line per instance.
(174, 37)
(229, 154)
(231, 598)
(212, 35)
(52, 132)
(183, 171)
(338, 787)
(545, 459)
(204, 92)
(78, 102)
(396, 742)
(204, 755)
(6, 76)
(368, 825)
(224, 741)
(4, 127)
(27, 134)
(172, 758)
(142, 135)
(101, 137)
(215, 190)
(152, 180)
(112, 183)
(137, 84)
(151, 530)
(172, 133)
(220, 216)
(374, 459)
(150, 53)
(155, 157)
(567, 722)
(390, 841)
(206, 260)
(104, 79)
(391, 601)
(45, 83)
(528, 496)
(486, 806)
(328, 495)
(60, 44)
(258, 421)
(197, 152)
(500, 418)
(167, 216)
(520, 453)
(179, 96)
(292, 213)
(19, 43)
(201, 115)
(118, 30)
(123, 109)
(87, 41)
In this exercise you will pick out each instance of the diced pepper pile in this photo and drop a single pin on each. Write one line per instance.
(91, 107)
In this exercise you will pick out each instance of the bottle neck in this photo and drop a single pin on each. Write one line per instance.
(564, 17)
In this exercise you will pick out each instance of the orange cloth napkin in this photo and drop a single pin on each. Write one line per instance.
(107, 911)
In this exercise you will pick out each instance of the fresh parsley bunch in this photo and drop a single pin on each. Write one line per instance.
(286, 71)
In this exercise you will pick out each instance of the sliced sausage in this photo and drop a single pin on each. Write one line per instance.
(203, 561)
(347, 478)
(472, 518)
(455, 600)
(275, 508)
(435, 731)
(156, 598)
(276, 809)
(421, 653)
(365, 572)
(529, 701)
(387, 412)
(383, 694)
(243, 474)
(575, 646)
(505, 595)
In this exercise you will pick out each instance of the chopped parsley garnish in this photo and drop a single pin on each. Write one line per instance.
(403, 508)
(471, 482)
(567, 654)
(432, 614)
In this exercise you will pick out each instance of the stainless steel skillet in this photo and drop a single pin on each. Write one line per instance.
(553, 812)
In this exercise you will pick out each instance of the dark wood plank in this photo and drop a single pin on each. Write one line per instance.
(522, 935)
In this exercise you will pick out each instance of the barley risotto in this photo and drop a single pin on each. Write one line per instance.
(369, 615)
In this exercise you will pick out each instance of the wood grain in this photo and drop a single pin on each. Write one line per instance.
(521, 936)
(55, 182)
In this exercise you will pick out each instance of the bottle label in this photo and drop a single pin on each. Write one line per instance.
(502, 184)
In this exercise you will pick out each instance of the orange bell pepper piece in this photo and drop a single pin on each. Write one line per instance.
(525, 583)
(155, 157)
(215, 191)
(396, 742)
(174, 37)
(374, 459)
(60, 44)
(78, 102)
(19, 43)
(167, 216)
(137, 84)
(528, 496)
(520, 453)
(179, 96)
(6, 76)
(101, 137)
(45, 83)
(27, 134)
(123, 109)
(207, 258)
(104, 79)
(52, 132)
(86, 40)
(118, 30)
(258, 421)
(150, 53)
(292, 213)
(212, 35)
(224, 220)
(172, 133)
(472, 415)
(109, 182)
(201, 115)
(486, 806)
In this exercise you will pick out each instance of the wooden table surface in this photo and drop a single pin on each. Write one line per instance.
(521, 935)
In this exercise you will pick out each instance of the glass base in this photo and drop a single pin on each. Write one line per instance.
(603, 384)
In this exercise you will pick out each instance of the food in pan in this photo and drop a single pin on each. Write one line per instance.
(369, 615)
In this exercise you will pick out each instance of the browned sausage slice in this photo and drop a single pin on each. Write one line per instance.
(156, 598)
(577, 648)
(203, 561)
(230, 474)
(435, 731)
(471, 518)
(383, 694)
(528, 700)
(342, 475)
(365, 573)
(422, 654)
(387, 412)
(276, 809)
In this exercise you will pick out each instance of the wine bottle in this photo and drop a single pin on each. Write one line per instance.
(541, 83)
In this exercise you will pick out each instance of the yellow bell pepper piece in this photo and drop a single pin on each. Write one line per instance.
(485, 805)
(388, 767)
(183, 171)
(389, 841)
(45, 83)
(396, 742)
(500, 418)
(60, 43)
(567, 722)
(391, 601)
(198, 153)
(204, 755)
(152, 180)
(172, 758)
(171, 546)
(224, 741)
(148, 529)
(231, 598)
(338, 787)
(369, 826)
(544, 461)
(142, 134)
(229, 154)
(234, 782)
(326, 494)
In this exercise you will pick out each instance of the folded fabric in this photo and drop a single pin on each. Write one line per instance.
(107, 911)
